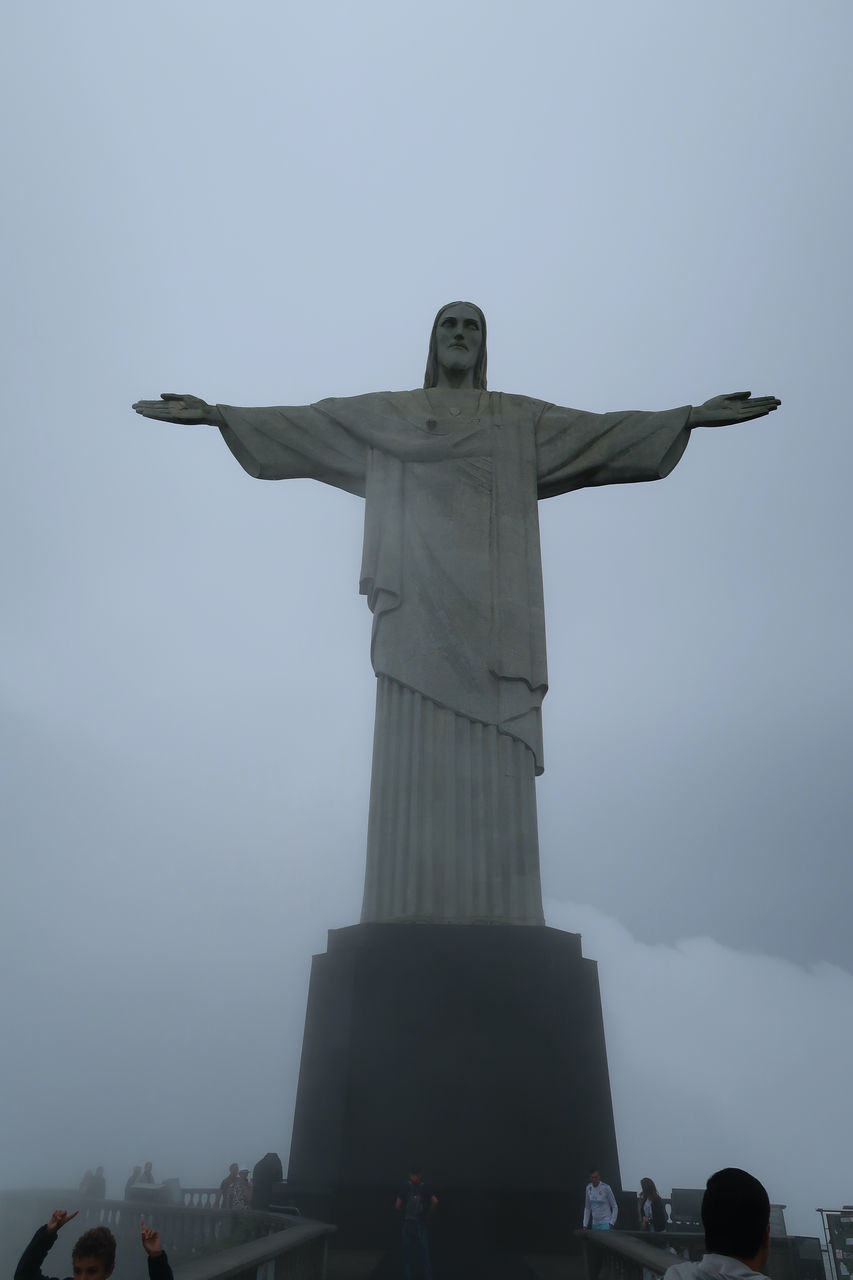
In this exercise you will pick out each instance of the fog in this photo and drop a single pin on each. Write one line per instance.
(267, 205)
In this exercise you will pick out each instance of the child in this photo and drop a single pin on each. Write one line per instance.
(93, 1256)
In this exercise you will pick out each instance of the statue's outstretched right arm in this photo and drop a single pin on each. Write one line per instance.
(185, 409)
(277, 442)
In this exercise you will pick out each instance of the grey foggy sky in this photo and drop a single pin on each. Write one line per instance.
(267, 205)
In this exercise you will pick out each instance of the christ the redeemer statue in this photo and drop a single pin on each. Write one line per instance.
(451, 476)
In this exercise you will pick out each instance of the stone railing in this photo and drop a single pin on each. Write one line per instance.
(299, 1253)
(200, 1197)
(208, 1198)
(625, 1254)
(192, 1234)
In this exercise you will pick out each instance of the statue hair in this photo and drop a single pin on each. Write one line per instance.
(431, 375)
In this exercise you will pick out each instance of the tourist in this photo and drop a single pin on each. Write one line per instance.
(265, 1174)
(736, 1219)
(93, 1256)
(227, 1187)
(417, 1202)
(242, 1192)
(651, 1208)
(600, 1210)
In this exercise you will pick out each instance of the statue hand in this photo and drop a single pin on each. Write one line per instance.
(738, 406)
(184, 409)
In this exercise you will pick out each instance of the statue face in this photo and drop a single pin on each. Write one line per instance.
(459, 337)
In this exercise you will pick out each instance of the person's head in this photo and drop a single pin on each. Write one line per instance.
(594, 1177)
(94, 1255)
(99, 1172)
(648, 1188)
(233, 1169)
(736, 1216)
(457, 342)
(147, 1166)
(415, 1172)
(244, 1175)
(137, 1169)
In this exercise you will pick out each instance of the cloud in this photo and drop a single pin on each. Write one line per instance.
(720, 1057)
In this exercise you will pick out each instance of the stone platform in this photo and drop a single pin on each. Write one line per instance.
(476, 1051)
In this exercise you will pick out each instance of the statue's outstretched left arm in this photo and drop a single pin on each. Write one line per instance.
(738, 406)
(575, 449)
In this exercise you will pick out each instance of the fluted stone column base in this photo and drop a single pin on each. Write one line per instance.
(475, 1050)
(452, 834)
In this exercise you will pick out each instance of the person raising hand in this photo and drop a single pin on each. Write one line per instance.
(94, 1254)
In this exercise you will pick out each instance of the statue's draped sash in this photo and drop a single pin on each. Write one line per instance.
(451, 563)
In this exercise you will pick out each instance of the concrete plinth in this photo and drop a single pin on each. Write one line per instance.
(475, 1050)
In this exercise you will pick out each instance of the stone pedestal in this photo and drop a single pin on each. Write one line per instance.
(476, 1051)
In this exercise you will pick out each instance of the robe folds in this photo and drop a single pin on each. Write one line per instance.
(452, 572)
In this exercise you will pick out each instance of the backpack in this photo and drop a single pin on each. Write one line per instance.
(414, 1208)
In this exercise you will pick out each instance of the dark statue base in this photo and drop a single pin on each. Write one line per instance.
(475, 1050)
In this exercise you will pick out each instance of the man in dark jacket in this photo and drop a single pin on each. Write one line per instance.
(265, 1174)
(417, 1202)
(93, 1256)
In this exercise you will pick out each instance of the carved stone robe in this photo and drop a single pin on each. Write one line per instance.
(452, 573)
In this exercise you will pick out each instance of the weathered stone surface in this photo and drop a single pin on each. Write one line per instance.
(451, 476)
(477, 1051)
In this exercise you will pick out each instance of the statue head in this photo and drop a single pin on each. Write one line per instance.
(459, 311)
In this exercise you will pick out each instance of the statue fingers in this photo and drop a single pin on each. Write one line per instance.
(150, 408)
(175, 410)
(757, 409)
(768, 402)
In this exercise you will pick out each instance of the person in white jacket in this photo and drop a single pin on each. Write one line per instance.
(736, 1219)
(600, 1209)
